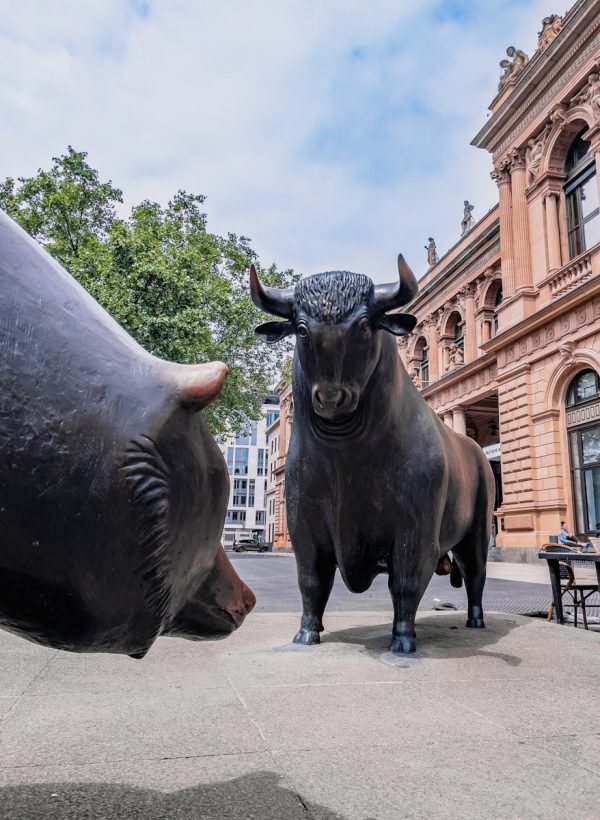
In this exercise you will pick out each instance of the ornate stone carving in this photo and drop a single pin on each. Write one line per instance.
(456, 356)
(558, 114)
(501, 172)
(566, 352)
(590, 95)
(518, 158)
(550, 27)
(534, 152)
(513, 66)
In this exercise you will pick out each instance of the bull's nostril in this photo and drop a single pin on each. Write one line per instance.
(319, 397)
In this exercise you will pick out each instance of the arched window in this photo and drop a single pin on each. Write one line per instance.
(583, 426)
(583, 388)
(581, 192)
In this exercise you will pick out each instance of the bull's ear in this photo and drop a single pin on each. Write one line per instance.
(397, 323)
(271, 332)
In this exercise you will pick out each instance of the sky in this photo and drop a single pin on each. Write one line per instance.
(333, 133)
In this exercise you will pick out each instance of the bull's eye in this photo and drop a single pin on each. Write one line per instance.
(364, 327)
(302, 331)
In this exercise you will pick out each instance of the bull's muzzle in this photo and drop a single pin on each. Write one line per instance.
(217, 607)
(332, 401)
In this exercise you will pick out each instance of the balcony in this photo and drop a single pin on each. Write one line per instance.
(570, 276)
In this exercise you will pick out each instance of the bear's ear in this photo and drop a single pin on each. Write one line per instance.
(397, 323)
(271, 332)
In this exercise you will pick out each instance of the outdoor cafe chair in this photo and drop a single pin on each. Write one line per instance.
(579, 593)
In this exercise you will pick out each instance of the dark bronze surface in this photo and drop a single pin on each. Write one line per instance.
(374, 480)
(112, 489)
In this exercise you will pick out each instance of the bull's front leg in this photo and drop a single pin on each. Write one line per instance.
(316, 571)
(411, 567)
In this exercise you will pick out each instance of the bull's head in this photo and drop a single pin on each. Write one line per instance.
(336, 317)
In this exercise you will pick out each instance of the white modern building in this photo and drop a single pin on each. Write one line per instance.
(247, 460)
(272, 445)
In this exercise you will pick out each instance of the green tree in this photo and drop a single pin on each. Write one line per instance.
(181, 291)
(65, 207)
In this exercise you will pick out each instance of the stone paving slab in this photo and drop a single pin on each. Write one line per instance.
(488, 723)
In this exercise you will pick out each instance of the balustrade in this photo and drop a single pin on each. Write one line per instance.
(570, 276)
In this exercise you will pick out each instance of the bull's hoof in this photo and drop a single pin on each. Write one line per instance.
(475, 623)
(403, 644)
(307, 637)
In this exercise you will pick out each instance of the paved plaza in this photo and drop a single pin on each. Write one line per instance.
(499, 723)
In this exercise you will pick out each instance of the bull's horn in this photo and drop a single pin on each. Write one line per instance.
(199, 384)
(278, 301)
(390, 296)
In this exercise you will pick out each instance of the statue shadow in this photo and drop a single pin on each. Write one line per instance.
(441, 636)
(254, 795)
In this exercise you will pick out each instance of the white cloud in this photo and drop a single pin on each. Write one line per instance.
(334, 134)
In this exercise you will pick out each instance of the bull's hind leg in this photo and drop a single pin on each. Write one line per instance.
(471, 557)
(316, 571)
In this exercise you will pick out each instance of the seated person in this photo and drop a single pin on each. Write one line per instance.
(566, 537)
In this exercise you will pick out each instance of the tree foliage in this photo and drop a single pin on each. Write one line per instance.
(181, 291)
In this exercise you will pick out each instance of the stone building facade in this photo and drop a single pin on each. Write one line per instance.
(507, 344)
(278, 437)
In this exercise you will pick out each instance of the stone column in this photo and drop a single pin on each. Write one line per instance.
(470, 327)
(553, 230)
(459, 421)
(502, 177)
(448, 419)
(520, 222)
(486, 329)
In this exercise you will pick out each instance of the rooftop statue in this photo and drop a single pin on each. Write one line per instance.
(467, 220)
(513, 66)
(375, 481)
(432, 255)
(550, 27)
(113, 491)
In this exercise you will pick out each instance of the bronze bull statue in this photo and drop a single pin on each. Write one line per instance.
(375, 482)
(112, 489)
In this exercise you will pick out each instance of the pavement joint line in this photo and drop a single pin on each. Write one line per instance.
(30, 683)
(278, 767)
(113, 761)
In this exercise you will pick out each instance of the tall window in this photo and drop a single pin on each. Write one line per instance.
(230, 460)
(251, 491)
(241, 461)
(459, 335)
(425, 367)
(261, 462)
(497, 303)
(581, 192)
(583, 403)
